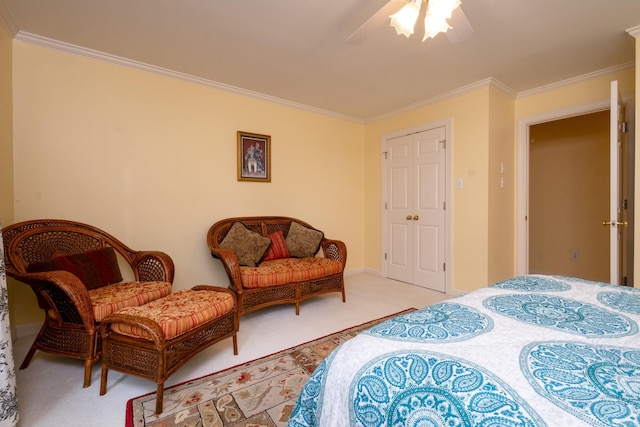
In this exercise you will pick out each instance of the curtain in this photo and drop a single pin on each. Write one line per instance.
(8, 393)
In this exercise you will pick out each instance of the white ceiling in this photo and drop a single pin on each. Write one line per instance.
(295, 50)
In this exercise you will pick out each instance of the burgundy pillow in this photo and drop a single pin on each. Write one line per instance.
(278, 248)
(95, 268)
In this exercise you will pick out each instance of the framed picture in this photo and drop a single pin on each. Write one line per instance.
(254, 157)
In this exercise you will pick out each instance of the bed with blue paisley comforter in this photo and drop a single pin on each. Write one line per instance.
(529, 351)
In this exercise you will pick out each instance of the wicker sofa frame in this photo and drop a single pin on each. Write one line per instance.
(69, 328)
(251, 299)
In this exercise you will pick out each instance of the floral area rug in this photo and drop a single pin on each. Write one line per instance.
(260, 393)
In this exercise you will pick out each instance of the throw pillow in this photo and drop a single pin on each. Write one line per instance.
(278, 247)
(95, 268)
(303, 242)
(248, 245)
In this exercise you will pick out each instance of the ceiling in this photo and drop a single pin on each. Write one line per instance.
(296, 50)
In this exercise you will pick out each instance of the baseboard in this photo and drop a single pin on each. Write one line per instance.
(26, 330)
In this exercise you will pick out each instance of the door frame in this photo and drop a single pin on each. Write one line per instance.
(522, 209)
(447, 124)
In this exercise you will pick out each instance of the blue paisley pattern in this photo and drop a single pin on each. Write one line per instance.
(563, 314)
(309, 403)
(432, 389)
(623, 301)
(532, 284)
(438, 323)
(598, 384)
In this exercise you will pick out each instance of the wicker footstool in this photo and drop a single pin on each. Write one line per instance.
(152, 341)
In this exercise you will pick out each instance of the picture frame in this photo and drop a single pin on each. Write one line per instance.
(254, 157)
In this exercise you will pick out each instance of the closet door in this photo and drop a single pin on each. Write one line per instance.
(415, 173)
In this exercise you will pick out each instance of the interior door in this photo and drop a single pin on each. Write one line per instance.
(615, 221)
(416, 178)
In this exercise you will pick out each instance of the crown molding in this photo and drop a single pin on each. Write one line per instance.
(634, 31)
(577, 79)
(118, 60)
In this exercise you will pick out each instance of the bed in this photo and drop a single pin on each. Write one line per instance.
(533, 350)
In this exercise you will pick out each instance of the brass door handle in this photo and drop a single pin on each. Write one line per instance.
(408, 217)
(615, 223)
(416, 217)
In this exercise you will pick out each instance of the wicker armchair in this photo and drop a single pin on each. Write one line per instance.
(70, 327)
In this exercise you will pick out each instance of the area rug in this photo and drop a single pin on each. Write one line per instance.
(260, 393)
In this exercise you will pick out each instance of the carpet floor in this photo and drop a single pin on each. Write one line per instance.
(261, 393)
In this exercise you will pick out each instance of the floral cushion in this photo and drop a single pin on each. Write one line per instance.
(248, 245)
(288, 270)
(278, 248)
(178, 313)
(109, 299)
(303, 242)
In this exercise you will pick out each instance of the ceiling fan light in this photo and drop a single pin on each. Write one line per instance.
(405, 19)
(434, 25)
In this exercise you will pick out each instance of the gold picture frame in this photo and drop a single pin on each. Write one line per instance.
(254, 157)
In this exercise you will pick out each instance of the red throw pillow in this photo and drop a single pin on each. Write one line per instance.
(278, 248)
(95, 268)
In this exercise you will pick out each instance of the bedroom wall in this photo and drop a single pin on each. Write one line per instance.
(152, 160)
(6, 144)
(470, 114)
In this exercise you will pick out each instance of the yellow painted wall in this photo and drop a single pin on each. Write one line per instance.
(501, 186)
(152, 160)
(6, 134)
(469, 113)
(636, 242)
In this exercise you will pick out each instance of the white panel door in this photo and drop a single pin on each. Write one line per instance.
(416, 209)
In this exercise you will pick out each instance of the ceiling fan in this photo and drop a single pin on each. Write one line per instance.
(460, 26)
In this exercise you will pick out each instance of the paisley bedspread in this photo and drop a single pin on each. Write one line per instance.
(529, 351)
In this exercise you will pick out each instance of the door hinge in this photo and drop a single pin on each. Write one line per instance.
(444, 144)
(624, 281)
(444, 206)
(623, 127)
(385, 206)
(385, 256)
(444, 266)
(385, 155)
(624, 204)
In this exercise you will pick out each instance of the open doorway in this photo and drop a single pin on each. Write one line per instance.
(524, 234)
(569, 197)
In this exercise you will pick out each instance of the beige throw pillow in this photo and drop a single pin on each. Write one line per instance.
(303, 242)
(248, 245)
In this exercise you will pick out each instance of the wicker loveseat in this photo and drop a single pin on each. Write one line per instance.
(73, 269)
(276, 260)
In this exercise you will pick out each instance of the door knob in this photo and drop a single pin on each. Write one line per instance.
(615, 223)
(408, 217)
(416, 217)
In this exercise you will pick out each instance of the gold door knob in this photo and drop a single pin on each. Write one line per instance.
(615, 223)
(408, 217)
(416, 217)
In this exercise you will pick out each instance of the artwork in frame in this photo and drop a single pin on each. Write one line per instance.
(254, 157)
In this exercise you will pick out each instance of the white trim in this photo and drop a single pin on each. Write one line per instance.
(634, 31)
(522, 210)
(576, 79)
(118, 60)
(448, 125)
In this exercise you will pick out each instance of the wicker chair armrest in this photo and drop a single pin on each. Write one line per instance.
(148, 325)
(231, 266)
(335, 249)
(150, 266)
(67, 283)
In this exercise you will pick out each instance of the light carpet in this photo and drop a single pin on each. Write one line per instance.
(259, 393)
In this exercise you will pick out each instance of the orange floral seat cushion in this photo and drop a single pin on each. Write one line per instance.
(178, 313)
(109, 299)
(288, 270)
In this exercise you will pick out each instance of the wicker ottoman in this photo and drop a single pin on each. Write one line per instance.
(152, 341)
